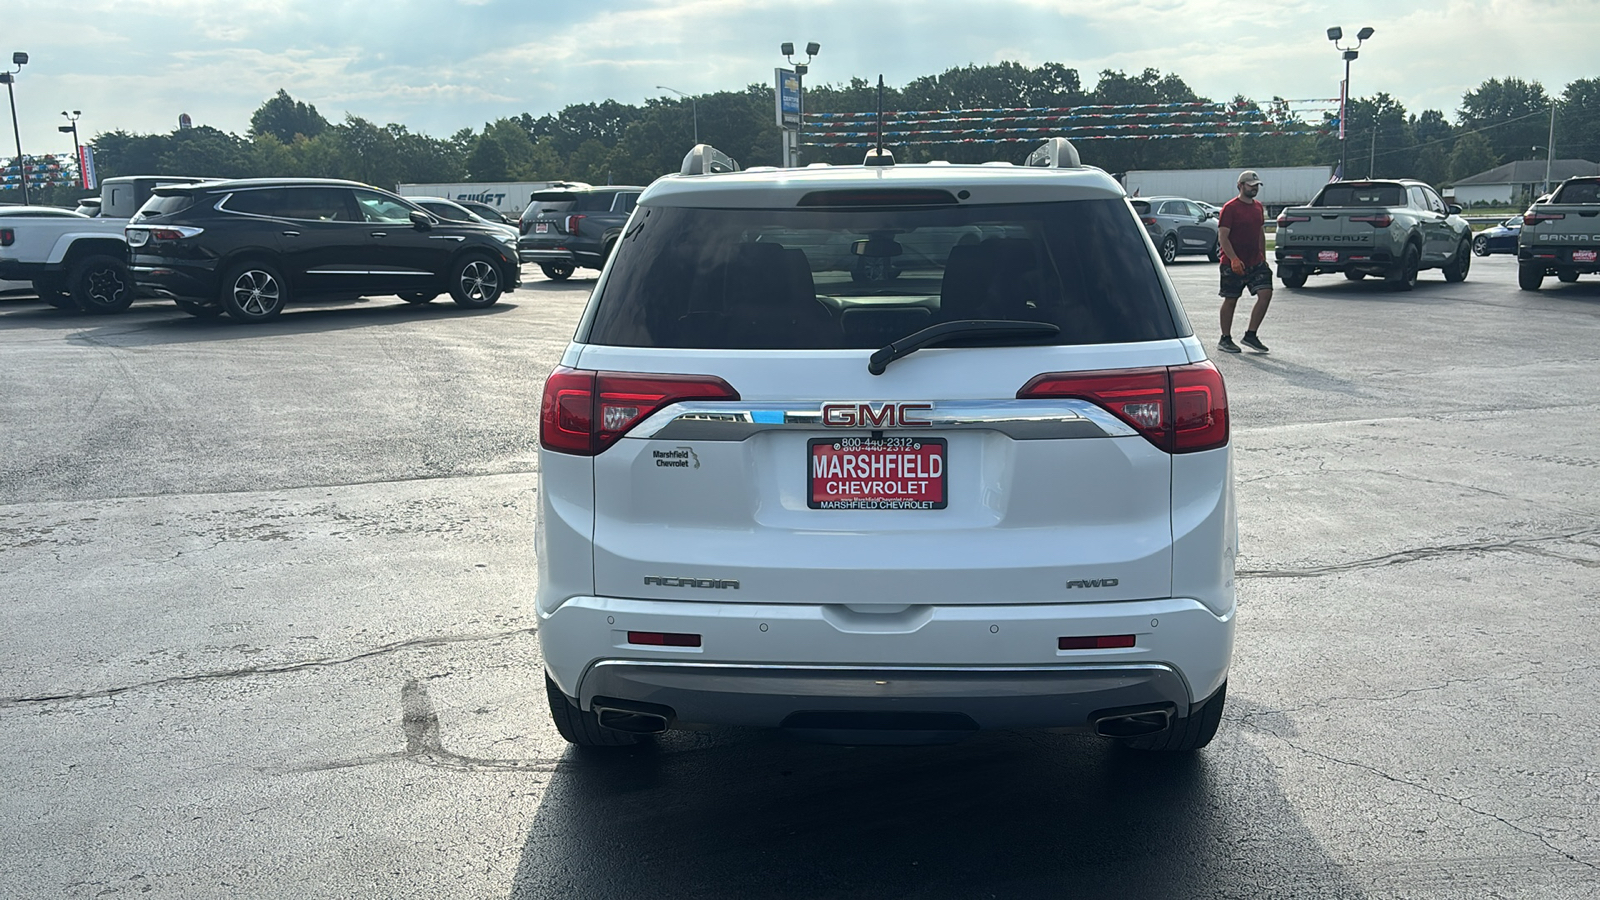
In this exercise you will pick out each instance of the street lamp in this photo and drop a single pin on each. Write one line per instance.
(693, 110)
(72, 126)
(800, 70)
(18, 59)
(1335, 34)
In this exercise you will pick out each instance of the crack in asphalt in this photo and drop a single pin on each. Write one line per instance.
(1440, 795)
(1246, 719)
(1416, 554)
(253, 671)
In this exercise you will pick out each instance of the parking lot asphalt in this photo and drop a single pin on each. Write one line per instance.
(266, 630)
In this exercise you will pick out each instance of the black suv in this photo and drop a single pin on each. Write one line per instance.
(248, 247)
(575, 225)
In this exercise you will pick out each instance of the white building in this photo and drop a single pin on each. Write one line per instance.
(1508, 184)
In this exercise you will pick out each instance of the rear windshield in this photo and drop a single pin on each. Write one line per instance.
(165, 204)
(559, 203)
(1362, 195)
(859, 278)
(1142, 207)
(1578, 192)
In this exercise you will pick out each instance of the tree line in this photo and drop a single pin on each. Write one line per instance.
(1501, 120)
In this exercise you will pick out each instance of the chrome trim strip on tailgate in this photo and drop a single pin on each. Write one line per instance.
(1023, 420)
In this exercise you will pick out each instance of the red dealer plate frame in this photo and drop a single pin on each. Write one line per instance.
(1584, 255)
(832, 484)
(1327, 256)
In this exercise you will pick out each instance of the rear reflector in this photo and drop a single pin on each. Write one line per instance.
(585, 412)
(1099, 642)
(7, 237)
(665, 639)
(1180, 409)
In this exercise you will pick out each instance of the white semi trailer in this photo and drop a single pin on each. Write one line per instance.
(510, 197)
(1280, 186)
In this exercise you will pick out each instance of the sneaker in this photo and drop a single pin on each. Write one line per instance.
(1226, 345)
(1253, 342)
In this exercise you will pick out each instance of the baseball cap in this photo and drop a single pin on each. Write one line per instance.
(1249, 176)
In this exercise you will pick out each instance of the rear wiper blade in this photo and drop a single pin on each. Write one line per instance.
(960, 329)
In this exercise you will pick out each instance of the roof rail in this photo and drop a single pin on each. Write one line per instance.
(704, 159)
(1055, 153)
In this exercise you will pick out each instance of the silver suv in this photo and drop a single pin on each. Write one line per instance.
(886, 453)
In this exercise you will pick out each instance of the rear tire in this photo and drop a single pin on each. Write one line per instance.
(1566, 276)
(557, 271)
(1530, 277)
(1354, 276)
(100, 284)
(1292, 277)
(583, 728)
(475, 282)
(1169, 249)
(1403, 277)
(253, 292)
(1186, 735)
(1456, 271)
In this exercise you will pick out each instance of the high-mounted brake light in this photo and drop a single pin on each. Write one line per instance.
(1534, 218)
(1378, 221)
(572, 223)
(1180, 409)
(585, 412)
(1286, 219)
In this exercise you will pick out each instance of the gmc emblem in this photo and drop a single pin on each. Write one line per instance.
(885, 415)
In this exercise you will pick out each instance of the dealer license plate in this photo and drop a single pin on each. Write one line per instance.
(877, 473)
(1327, 256)
(1583, 255)
(541, 228)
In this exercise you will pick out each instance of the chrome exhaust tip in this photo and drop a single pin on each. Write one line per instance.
(1134, 723)
(631, 721)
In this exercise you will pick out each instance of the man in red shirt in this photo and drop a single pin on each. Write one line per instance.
(1243, 241)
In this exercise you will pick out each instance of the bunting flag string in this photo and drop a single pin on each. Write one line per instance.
(1088, 137)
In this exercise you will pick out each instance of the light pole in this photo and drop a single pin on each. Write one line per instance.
(18, 59)
(72, 126)
(693, 110)
(800, 70)
(1335, 34)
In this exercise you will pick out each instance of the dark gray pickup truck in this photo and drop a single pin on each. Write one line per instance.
(1561, 237)
(576, 225)
(1391, 229)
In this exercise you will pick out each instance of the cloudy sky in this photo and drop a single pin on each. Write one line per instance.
(437, 66)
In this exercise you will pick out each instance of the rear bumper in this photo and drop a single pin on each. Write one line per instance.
(174, 280)
(1335, 259)
(545, 254)
(992, 666)
(1555, 257)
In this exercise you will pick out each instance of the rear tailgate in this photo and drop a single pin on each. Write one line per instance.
(1043, 501)
(1565, 232)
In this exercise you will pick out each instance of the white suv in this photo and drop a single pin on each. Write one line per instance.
(886, 453)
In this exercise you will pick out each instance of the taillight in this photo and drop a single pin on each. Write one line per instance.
(572, 224)
(1536, 218)
(1378, 221)
(1148, 220)
(585, 412)
(174, 232)
(1180, 409)
(8, 237)
(1286, 219)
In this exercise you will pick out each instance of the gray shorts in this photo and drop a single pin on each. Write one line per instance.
(1256, 278)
